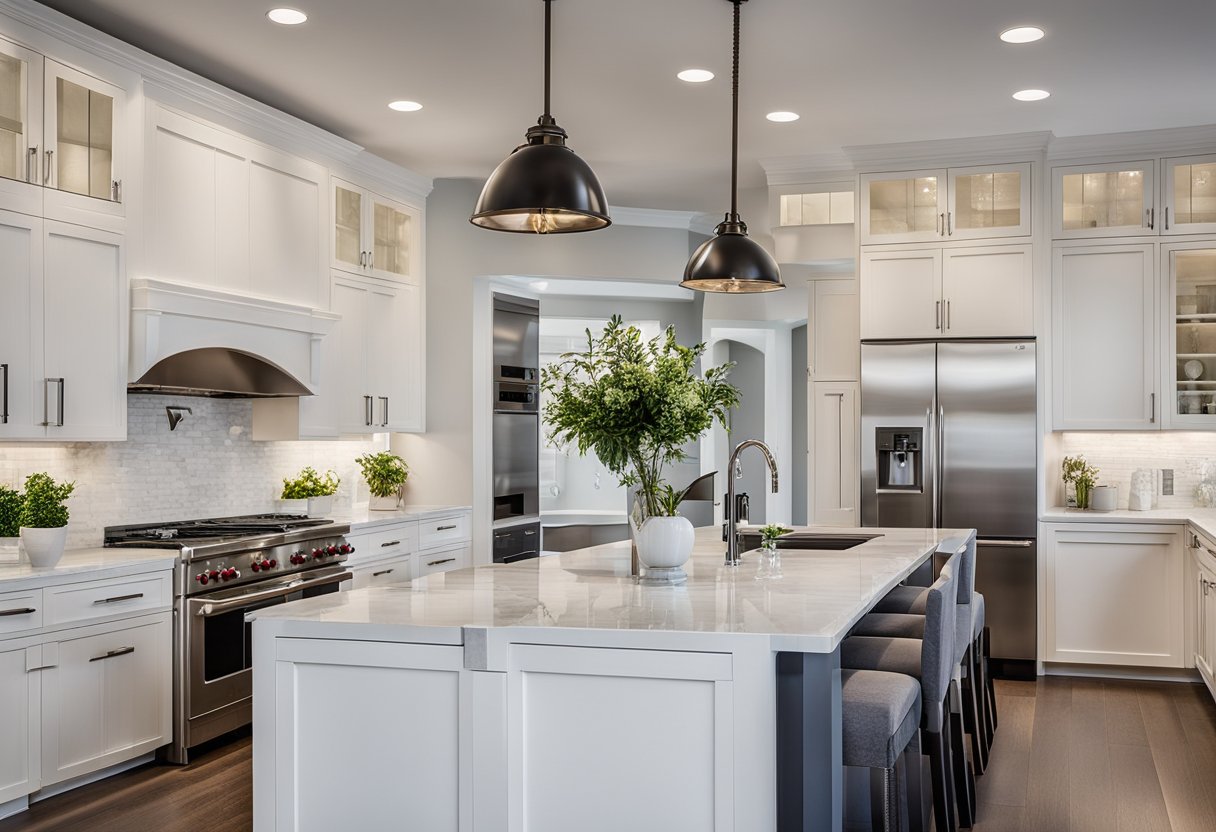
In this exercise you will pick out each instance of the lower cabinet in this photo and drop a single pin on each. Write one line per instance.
(105, 697)
(1203, 552)
(444, 560)
(394, 570)
(835, 454)
(1114, 594)
(20, 693)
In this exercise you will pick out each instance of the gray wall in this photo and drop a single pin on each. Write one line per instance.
(799, 423)
(747, 422)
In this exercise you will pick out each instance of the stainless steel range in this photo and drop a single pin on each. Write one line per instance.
(230, 566)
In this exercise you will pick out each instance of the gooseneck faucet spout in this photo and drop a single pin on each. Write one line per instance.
(732, 535)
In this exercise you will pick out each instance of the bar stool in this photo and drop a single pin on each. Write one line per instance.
(981, 651)
(880, 713)
(929, 660)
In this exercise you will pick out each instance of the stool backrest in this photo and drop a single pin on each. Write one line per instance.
(966, 570)
(937, 647)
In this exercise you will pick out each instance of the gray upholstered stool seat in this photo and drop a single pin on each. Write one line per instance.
(881, 713)
(904, 599)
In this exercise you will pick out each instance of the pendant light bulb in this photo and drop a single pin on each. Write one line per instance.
(730, 261)
(543, 187)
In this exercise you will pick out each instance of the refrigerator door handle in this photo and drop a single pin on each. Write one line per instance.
(1005, 544)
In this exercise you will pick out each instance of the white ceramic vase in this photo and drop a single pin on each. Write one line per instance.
(44, 547)
(664, 546)
(321, 506)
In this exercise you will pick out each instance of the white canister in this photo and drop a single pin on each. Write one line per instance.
(1104, 498)
(1144, 484)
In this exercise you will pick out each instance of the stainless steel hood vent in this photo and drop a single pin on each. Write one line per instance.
(220, 373)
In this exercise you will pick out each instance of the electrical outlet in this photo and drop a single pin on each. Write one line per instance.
(1167, 482)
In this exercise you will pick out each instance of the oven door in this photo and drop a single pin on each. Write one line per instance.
(219, 643)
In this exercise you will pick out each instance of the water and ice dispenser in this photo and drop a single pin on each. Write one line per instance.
(900, 459)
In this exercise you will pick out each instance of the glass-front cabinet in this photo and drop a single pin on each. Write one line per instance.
(20, 126)
(1192, 329)
(1189, 194)
(374, 235)
(991, 201)
(946, 204)
(1109, 200)
(904, 207)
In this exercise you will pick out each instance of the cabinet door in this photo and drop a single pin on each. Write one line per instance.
(904, 207)
(397, 570)
(83, 120)
(988, 292)
(900, 294)
(445, 560)
(992, 201)
(394, 238)
(349, 205)
(106, 699)
(1204, 590)
(20, 129)
(20, 326)
(1112, 200)
(1189, 195)
(1105, 343)
(349, 299)
(287, 214)
(386, 359)
(1115, 595)
(20, 721)
(84, 379)
(1189, 337)
(835, 454)
(835, 317)
(397, 337)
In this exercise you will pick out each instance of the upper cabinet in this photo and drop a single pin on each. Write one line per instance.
(230, 213)
(1189, 194)
(946, 204)
(1110, 200)
(375, 236)
(1189, 270)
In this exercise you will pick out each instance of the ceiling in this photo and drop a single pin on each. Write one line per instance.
(859, 72)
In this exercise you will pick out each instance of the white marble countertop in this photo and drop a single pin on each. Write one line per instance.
(819, 597)
(85, 565)
(1202, 518)
(362, 518)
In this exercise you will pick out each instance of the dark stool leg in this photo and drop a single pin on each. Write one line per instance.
(973, 711)
(964, 779)
(988, 686)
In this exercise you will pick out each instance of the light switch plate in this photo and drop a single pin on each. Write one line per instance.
(1167, 482)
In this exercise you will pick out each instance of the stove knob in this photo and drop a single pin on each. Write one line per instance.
(332, 550)
(271, 564)
(254, 565)
(202, 578)
(346, 548)
(317, 554)
(214, 574)
(298, 558)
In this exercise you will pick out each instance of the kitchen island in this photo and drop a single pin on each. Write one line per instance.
(560, 693)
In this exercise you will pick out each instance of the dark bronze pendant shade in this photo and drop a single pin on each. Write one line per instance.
(731, 261)
(543, 187)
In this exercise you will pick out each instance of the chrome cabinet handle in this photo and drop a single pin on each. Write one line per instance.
(121, 651)
(118, 598)
(1152, 404)
(29, 164)
(390, 543)
(447, 528)
(941, 225)
(1150, 214)
(438, 562)
(527, 532)
(1005, 544)
(116, 190)
(22, 611)
(384, 399)
(1167, 218)
(950, 223)
(367, 410)
(46, 402)
(371, 259)
(937, 315)
(381, 572)
(947, 314)
(4, 402)
(46, 172)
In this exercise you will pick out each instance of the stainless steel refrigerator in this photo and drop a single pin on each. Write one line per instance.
(949, 440)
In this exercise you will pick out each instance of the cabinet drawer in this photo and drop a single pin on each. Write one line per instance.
(20, 611)
(383, 572)
(444, 560)
(390, 540)
(97, 599)
(443, 531)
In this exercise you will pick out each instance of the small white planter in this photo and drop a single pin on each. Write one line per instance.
(44, 547)
(10, 549)
(293, 506)
(664, 546)
(321, 506)
(384, 503)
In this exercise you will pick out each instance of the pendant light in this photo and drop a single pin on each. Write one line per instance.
(731, 261)
(543, 187)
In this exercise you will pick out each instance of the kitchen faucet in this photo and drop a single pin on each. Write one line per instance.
(732, 535)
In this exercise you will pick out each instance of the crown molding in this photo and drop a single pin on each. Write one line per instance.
(808, 169)
(583, 287)
(1170, 141)
(651, 217)
(1013, 147)
(703, 223)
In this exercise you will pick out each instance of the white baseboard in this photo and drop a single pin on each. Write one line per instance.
(14, 807)
(1102, 671)
(92, 777)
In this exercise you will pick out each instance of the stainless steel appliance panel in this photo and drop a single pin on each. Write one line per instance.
(516, 443)
(987, 437)
(516, 339)
(897, 391)
(1006, 574)
(517, 543)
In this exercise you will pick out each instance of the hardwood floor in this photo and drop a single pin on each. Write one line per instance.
(1071, 755)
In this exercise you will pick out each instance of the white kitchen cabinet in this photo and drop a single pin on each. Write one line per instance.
(835, 316)
(1188, 190)
(20, 718)
(106, 696)
(374, 235)
(980, 292)
(386, 572)
(20, 129)
(1104, 200)
(562, 701)
(835, 454)
(1104, 325)
(1204, 593)
(946, 204)
(1114, 595)
(63, 331)
(1188, 342)
(444, 559)
(230, 213)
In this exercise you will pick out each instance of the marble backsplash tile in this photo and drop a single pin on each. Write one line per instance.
(1117, 455)
(208, 467)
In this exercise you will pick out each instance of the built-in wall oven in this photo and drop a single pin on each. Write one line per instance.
(515, 454)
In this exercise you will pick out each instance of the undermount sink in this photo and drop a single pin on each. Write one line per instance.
(811, 540)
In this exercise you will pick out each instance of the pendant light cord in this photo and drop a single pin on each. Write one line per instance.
(734, 124)
(548, 8)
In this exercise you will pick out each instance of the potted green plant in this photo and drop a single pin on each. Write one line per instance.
(385, 474)
(10, 522)
(770, 534)
(637, 403)
(317, 489)
(44, 518)
(1082, 476)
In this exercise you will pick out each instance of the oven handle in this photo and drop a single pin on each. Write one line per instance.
(209, 608)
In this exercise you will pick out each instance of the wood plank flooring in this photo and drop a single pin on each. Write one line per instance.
(1070, 755)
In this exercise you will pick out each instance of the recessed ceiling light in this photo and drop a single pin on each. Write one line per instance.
(782, 115)
(1022, 34)
(404, 106)
(695, 76)
(287, 17)
(1031, 95)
